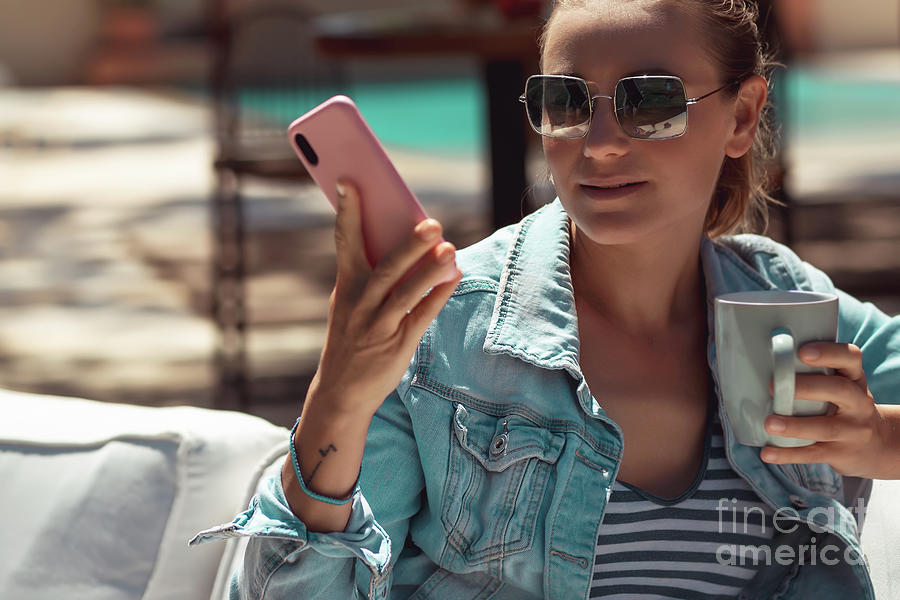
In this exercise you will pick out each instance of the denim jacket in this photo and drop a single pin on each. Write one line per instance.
(488, 469)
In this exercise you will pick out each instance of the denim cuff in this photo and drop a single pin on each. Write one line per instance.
(270, 516)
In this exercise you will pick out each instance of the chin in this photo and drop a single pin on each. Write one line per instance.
(609, 226)
(622, 224)
(608, 237)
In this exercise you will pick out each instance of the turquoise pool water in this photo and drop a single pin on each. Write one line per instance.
(439, 115)
(448, 115)
(831, 105)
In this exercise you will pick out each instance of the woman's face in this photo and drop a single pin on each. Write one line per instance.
(614, 39)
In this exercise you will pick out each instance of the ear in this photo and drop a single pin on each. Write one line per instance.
(748, 105)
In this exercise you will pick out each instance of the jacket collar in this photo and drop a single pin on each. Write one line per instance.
(534, 313)
(534, 316)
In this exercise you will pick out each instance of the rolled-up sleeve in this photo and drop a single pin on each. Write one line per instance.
(283, 557)
(874, 332)
(878, 336)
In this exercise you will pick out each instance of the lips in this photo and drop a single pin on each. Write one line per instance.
(610, 191)
(612, 184)
(612, 187)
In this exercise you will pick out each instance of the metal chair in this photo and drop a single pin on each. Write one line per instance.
(266, 72)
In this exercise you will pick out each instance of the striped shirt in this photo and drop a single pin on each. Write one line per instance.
(702, 544)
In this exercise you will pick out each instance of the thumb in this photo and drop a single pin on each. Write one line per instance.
(348, 241)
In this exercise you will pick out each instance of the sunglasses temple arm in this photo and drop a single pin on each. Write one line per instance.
(716, 91)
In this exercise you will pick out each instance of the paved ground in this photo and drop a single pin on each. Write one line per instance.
(105, 247)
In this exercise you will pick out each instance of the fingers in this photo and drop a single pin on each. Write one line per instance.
(351, 254)
(836, 389)
(382, 297)
(421, 316)
(820, 429)
(852, 404)
(846, 359)
(348, 240)
(846, 389)
(815, 453)
(395, 268)
(434, 267)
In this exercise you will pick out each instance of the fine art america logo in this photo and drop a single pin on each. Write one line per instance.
(755, 521)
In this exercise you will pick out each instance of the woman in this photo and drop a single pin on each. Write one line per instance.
(560, 410)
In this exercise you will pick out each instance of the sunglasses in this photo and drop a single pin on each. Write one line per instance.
(647, 107)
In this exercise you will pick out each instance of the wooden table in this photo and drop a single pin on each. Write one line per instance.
(508, 52)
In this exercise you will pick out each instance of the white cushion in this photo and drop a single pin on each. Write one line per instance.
(99, 500)
(233, 556)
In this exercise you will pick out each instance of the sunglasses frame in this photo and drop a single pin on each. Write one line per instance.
(594, 97)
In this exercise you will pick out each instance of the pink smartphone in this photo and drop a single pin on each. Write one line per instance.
(335, 142)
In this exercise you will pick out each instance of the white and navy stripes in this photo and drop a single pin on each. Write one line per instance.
(652, 547)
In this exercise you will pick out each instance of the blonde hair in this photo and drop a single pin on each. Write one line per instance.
(742, 194)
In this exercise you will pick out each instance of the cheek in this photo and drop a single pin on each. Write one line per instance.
(550, 156)
(559, 154)
(708, 131)
(696, 158)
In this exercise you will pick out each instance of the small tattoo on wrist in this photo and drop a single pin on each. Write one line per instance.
(327, 450)
(324, 452)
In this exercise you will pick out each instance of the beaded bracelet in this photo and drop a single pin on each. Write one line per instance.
(306, 490)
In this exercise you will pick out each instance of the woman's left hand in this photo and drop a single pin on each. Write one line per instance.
(856, 437)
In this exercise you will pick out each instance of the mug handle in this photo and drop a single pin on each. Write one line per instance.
(783, 373)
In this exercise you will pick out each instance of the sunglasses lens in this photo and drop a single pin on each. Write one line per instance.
(651, 108)
(558, 106)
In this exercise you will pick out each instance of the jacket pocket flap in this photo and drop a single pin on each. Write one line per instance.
(500, 441)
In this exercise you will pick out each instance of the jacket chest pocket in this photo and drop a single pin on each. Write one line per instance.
(499, 468)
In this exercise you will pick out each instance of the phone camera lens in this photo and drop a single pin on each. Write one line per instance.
(306, 149)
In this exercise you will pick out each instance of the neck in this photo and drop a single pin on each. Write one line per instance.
(641, 288)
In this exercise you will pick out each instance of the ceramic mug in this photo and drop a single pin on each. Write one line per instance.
(757, 337)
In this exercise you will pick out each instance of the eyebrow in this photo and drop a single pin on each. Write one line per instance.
(652, 71)
(636, 73)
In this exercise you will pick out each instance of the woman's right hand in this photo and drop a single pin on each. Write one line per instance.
(374, 323)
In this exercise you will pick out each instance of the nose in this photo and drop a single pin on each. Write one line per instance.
(605, 136)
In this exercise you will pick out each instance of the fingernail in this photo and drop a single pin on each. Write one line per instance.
(445, 256)
(341, 190)
(427, 230)
(810, 353)
(776, 424)
(768, 454)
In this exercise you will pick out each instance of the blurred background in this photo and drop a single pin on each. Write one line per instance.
(159, 244)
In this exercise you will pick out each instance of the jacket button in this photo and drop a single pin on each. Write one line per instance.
(498, 444)
(798, 502)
